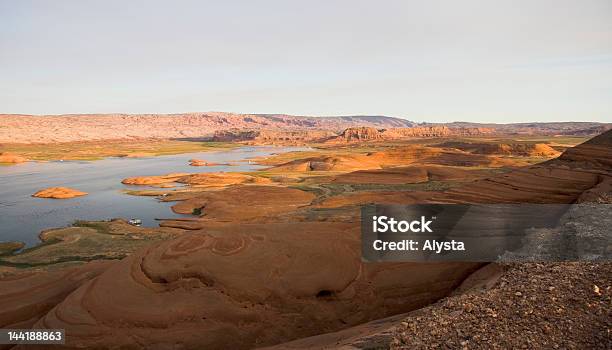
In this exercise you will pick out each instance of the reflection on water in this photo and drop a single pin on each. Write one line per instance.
(22, 217)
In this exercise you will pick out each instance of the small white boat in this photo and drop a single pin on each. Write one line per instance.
(135, 222)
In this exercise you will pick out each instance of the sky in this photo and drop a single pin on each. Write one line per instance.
(437, 61)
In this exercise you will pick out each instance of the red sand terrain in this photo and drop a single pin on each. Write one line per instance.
(279, 275)
(408, 174)
(399, 156)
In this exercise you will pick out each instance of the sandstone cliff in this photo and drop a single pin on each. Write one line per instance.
(356, 134)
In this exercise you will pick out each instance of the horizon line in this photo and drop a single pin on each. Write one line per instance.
(298, 116)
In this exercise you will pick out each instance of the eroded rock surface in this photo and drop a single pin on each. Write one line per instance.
(238, 286)
(26, 297)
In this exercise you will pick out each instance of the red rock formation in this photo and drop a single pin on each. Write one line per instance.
(372, 134)
(59, 193)
(154, 180)
(6, 157)
(510, 149)
(561, 180)
(435, 131)
(26, 297)
(361, 134)
(239, 286)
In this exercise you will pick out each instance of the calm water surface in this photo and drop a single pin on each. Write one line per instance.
(22, 216)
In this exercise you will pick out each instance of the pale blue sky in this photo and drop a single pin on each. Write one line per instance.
(487, 61)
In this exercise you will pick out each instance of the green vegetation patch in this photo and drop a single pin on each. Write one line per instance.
(95, 150)
(86, 241)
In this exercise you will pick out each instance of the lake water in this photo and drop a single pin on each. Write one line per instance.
(22, 216)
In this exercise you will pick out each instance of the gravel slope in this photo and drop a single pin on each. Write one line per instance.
(532, 306)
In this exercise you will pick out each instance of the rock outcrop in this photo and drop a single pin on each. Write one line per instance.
(240, 286)
(59, 193)
(26, 297)
(6, 157)
(229, 204)
(508, 149)
(435, 131)
(361, 134)
(154, 180)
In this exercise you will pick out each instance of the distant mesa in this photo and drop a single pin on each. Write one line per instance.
(15, 128)
(358, 134)
(59, 193)
(6, 157)
(361, 133)
(256, 128)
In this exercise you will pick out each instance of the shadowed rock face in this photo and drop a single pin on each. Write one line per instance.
(594, 153)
